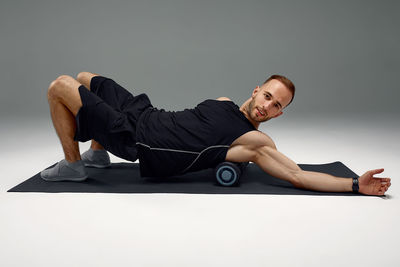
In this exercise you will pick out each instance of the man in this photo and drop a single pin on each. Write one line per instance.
(167, 143)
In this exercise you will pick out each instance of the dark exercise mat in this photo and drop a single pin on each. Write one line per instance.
(125, 178)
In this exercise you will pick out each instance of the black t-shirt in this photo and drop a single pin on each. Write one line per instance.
(176, 142)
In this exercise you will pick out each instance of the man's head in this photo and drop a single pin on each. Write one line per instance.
(268, 100)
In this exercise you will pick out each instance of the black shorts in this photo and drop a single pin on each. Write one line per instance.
(109, 115)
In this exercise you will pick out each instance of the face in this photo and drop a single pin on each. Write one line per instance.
(268, 101)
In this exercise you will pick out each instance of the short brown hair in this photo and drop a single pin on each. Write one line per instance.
(288, 83)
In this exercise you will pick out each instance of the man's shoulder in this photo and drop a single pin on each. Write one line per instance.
(223, 98)
(254, 138)
(245, 147)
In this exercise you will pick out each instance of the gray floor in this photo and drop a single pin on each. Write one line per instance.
(206, 230)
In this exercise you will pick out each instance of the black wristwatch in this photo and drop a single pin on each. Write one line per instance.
(355, 185)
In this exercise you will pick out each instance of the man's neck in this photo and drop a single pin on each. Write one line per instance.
(245, 110)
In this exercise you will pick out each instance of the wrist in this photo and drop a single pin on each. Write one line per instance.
(355, 185)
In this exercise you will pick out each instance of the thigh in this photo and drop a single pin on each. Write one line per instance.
(111, 92)
(118, 143)
(101, 122)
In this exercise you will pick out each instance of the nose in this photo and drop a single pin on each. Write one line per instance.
(267, 105)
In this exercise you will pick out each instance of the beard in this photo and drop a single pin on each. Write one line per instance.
(250, 108)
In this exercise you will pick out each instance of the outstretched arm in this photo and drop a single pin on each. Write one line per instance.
(278, 165)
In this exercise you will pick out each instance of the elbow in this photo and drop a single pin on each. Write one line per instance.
(296, 180)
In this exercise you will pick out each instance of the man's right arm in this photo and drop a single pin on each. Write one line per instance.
(278, 165)
(268, 159)
(253, 146)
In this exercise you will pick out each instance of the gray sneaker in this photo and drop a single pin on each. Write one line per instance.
(65, 171)
(96, 158)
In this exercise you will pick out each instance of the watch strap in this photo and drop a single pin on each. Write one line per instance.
(355, 185)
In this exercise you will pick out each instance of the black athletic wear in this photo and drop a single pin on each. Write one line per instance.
(166, 142)
(193, 139)
(109, 115)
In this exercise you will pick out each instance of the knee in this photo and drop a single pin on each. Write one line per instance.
(51, 92)
(63, 77)
(85, 78)
(82, 75)
(57, 85)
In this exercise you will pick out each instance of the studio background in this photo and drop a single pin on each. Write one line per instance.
(343, 57)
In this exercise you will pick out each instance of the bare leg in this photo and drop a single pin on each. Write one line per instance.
(85, 78)
(64, 101)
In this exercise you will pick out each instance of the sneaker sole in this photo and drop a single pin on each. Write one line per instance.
(64, 178)
(97, 165)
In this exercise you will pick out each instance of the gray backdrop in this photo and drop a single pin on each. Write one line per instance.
(343, 56)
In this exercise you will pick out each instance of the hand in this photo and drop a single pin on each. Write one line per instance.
(369, 185)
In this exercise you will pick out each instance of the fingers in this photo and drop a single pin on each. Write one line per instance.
(384, 180)
(384, 186)
(380, 185)
(376, 171)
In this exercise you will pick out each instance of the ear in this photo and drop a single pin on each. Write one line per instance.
(277, 115)
(255, 91)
